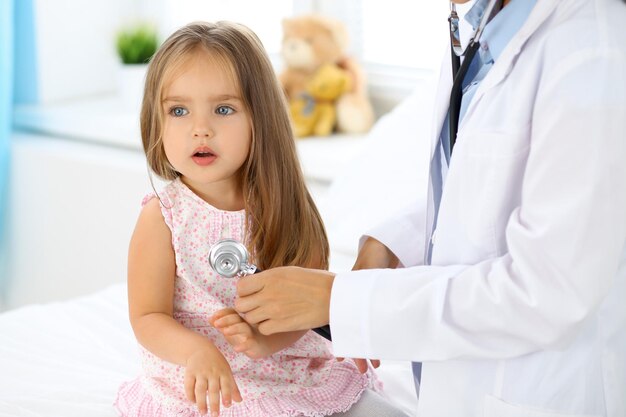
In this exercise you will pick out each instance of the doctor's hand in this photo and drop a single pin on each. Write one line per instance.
(375, 255)
(285, 299)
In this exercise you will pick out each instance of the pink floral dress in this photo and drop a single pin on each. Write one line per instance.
(301, 380)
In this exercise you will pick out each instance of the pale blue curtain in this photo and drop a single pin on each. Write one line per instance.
(6, 105)
(18, 85)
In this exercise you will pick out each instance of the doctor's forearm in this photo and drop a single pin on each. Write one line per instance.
(454, 312)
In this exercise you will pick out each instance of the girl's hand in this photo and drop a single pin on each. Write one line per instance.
(208, 372)
(241, 335)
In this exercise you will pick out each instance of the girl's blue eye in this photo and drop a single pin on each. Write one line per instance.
(224, 110)
(179, 111)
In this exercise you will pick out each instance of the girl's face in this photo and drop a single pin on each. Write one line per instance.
(207, 131)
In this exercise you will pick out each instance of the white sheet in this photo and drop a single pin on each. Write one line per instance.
(67, 359)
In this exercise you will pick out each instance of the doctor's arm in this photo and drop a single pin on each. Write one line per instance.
(564, 241)
(292, 298)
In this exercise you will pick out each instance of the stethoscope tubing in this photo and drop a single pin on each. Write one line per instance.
(460, 70)
(456, 93)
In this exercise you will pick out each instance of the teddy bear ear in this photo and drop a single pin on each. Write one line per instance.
(339, 33)
(287, 24)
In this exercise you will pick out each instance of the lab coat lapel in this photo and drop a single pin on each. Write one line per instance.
(442, 102)
(542, 10)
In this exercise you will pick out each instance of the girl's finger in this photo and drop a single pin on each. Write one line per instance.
(237, 339)
(239, 328)
(235, 394)
(228, 320)
(221, 313)
(214, 396)
(200, 391)
(225, 391)
(243, 346)
(375, 363)
(190, 383)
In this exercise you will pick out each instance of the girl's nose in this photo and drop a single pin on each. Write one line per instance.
(202, 130)
(201, 133)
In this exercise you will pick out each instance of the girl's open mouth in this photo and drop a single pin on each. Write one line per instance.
(203, 157)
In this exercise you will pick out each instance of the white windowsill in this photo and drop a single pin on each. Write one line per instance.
(105, 120)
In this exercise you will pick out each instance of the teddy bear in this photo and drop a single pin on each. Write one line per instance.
(313, 111)
(311, 42)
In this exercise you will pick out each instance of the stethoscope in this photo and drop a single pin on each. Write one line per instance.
(229, 258)
(460, 70)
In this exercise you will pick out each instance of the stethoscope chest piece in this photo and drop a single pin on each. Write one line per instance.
(229, 258)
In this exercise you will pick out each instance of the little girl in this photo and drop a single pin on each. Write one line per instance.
(214, 123)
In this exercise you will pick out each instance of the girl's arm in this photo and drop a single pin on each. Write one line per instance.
(151, 276)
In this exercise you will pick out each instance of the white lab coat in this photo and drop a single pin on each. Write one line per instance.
(523, 312)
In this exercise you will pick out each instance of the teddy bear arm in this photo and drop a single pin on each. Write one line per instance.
(326, 119)
(348, 84)
(304, 116)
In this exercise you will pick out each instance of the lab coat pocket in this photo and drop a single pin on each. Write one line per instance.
(495, 407)
(495, 144)
(489, 175)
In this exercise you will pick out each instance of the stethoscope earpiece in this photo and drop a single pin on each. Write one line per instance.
(455, 35)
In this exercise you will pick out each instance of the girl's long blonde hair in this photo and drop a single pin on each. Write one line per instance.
(284, 226)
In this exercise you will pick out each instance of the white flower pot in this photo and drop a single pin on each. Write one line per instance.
(131, 80)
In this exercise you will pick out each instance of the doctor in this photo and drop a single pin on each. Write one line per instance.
(509, 286)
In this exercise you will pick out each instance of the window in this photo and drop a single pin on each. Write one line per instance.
(264, 19)
(400, 43)
(393, 33)
(404, 34)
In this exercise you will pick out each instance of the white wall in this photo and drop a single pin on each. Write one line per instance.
(72, 210)
(76, 46)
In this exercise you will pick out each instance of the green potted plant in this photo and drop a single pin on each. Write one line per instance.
(135, 46)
